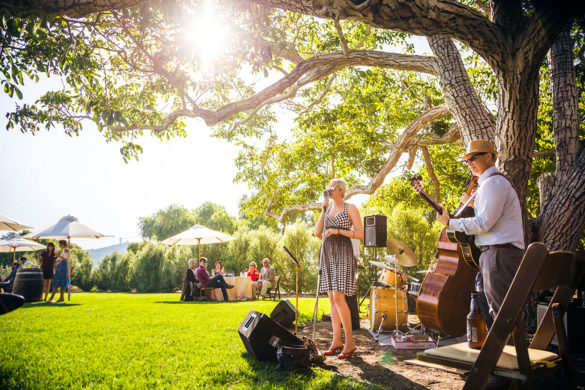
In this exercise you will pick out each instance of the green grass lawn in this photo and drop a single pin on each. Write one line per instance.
(143, 341)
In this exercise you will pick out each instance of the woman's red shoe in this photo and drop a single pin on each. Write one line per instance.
(333, 351)
(346, 355)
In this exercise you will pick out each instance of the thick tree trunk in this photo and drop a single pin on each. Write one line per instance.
(516, 124)
(474, 119)
(562, 218)
(565, 103)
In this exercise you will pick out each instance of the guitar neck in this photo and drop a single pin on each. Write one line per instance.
(431, 202)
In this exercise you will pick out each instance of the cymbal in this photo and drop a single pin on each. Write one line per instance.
(403, 253)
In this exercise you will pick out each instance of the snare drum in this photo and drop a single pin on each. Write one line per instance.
(392, 278)
(392, 303)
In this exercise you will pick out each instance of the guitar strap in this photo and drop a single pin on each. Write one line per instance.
(473, 196)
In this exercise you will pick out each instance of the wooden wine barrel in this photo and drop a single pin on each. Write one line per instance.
(29, 283)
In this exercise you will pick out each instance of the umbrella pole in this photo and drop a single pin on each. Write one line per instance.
(69, 269)
(199, 247)
(14, 256)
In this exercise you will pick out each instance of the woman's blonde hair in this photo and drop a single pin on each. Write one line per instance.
(253, 264)
(338, 183)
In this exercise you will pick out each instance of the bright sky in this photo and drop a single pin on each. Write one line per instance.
(49, 175)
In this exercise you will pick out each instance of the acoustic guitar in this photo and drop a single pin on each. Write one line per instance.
(445, 293)
(466, 242)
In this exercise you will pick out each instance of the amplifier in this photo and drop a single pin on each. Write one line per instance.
(375, 234)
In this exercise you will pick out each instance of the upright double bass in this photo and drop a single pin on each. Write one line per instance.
(445, 293)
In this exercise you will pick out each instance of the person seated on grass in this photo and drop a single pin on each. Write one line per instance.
(218, 269)
(216, 282)
(190, 283)
(6, 285)
(267, 275)
(62, 276)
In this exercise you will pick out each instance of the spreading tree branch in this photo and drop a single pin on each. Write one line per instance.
(400, 146)
(304, 73)
(431, 172)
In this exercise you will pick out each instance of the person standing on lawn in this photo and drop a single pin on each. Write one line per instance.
(338, 263)
(47, 263)
(62, 276)
(216, 282)
(497, 225)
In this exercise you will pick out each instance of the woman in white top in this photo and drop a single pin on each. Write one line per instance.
(61, 279)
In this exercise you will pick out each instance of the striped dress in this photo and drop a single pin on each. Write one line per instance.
(338, 264)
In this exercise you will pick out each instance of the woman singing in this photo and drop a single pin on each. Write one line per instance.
(338, 264)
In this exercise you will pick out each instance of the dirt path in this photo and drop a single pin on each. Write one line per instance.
(382, 365)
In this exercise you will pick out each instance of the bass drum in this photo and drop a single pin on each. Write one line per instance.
(388, 302)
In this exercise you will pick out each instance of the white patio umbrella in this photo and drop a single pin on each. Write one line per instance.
(19, 244)
(198, 235)
(67, 228)
(10, 224)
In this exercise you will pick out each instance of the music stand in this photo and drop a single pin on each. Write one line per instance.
(297, 286)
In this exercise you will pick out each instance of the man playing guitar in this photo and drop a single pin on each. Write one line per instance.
(497, 224)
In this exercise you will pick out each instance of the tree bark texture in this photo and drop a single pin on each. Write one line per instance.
(516, 125)
(474, 119)
(71, 8)
(565, 103)
(563, 219)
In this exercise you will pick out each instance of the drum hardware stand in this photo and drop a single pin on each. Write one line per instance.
(382, 319)
(396, 331)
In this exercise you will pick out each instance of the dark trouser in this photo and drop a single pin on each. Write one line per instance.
(218, 282)
(498, 265)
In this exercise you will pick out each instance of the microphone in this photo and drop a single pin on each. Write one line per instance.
(326, 193)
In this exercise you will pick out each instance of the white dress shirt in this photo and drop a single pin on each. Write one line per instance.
(498, 218)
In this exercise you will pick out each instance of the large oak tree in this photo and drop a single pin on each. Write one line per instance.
(513, 37)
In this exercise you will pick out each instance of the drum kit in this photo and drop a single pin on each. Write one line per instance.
(390, 294)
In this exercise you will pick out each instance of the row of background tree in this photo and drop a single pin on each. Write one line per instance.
(149, 266)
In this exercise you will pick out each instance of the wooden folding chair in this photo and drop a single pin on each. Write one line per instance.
(539, 270)
(271, 292)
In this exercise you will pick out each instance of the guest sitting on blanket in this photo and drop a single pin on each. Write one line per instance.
(267, 276)
(190, 283)
(218, 269)
(216, 282)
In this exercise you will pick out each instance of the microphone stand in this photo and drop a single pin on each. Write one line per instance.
(325, 195)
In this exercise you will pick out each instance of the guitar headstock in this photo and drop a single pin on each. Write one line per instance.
(415, 183)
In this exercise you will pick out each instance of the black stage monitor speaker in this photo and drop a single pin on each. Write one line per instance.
(262, 336)
(375, 231)
(284, 313)
(9, 302)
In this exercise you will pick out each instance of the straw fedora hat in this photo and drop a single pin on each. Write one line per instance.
(479, 146)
